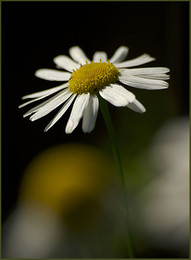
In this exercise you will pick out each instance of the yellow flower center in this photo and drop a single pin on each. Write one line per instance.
(90, 78)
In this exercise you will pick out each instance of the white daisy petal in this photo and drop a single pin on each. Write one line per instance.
(117, 95)
(36, 108)
(136, 106)
(145, 58)
(90, 114)
(153, 73)
(52, 75)
(91, 77)
(138, 82)
(54, 103)
(47, 92)
(156, 76)
(80, 104)
(100, 55)
(66, 63)
(120, 54)
(40, 106)
(78, 55)
(148, 71)
(60, 113)
(31, 101)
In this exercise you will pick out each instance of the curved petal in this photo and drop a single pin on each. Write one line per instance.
(138, 82)
(60, 113)
(36, 108)
(53, 75)
(145, 58)
(51, 105)
(136, 106)
(31, 101)
(100, 55)
(66, 63)
(117, 95)
(47, 92)
(90, 114)
(78, 55)
(80, 104)
(120, 54)
(150, 73)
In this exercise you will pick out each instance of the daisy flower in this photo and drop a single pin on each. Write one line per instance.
(85, 80)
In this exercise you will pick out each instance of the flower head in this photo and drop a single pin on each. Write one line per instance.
(85, 80)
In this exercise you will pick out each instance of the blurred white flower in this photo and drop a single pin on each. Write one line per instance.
(164, 202)
(31, 231)
(86, 79)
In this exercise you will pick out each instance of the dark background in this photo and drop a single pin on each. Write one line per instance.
(33, 33)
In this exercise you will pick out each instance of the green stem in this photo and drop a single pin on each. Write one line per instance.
(117, 157)
(111, 132)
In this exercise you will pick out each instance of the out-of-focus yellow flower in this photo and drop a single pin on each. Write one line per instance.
(64, 198)
(69, 179)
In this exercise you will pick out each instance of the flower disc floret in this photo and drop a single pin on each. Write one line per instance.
(90, 78)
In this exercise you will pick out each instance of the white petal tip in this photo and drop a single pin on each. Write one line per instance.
(26, 114)
(37, 73)
(33, 118)
(69, 128)
(142, 111)
(48, 127)
(68, 132)
(137, 107)
(87, 131)
(161, 87)
(148, 55)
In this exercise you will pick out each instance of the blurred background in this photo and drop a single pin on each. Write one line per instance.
(154, 145)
